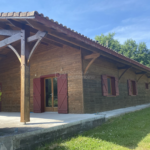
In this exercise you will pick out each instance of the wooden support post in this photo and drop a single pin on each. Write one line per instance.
(25, 77)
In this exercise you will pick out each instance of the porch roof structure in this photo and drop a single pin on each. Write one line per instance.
(31, 29)
(59, 35)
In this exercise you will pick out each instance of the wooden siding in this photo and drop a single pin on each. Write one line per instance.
(94, 101)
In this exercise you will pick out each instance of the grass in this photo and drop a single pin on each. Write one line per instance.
(130, 131)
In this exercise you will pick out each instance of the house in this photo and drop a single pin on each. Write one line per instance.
(45, 66)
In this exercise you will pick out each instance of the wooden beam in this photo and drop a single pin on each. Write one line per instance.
(20, 25)
(15, 23)
(25, 77)
(10, 40)
(8, 32)
(92, 56)
(142, 72)
(140, 77)
(33, 49)
(36, 36)
(124, 72)
(90, 63)
(15, 51)
(124, 67)
(3, 56)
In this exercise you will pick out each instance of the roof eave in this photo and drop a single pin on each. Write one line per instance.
(17, 18)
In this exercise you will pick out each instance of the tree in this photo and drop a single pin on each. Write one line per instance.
(112, 43)
(143, 54)
(130, 48)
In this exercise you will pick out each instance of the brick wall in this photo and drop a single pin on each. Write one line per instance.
(46, 60)
(94, 101)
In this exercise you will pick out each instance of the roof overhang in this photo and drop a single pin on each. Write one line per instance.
(61, 34)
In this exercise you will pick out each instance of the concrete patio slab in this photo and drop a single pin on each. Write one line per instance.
(10, 121)
(118, 112)
(48, 126)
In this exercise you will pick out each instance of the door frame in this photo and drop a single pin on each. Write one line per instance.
(53, 109)
(43, 88)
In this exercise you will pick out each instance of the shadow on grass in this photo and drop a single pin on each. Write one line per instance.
(127, 130)
(53, 147)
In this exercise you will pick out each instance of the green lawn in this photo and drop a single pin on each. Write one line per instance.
(130, 131)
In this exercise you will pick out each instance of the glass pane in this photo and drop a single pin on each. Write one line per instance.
(48, 93)
(55, 92)
(109, 85)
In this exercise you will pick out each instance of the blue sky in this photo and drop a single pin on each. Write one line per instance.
(127, 18)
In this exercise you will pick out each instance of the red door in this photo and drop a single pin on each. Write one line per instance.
(62, 87)
(37, 107)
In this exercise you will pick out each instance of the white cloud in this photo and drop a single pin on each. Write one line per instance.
(137, 29)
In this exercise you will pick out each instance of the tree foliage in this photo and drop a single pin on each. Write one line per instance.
(129, 48)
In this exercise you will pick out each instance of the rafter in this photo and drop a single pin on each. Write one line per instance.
(10, 40)
(20, 25)
(8, 32)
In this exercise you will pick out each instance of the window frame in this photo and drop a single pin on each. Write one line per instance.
(112, 86)
(132, 87)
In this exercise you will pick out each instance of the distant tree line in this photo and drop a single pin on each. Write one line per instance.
(131, 49)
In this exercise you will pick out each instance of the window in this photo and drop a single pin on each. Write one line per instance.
(132, 87)
(146, 86)
(110, 86)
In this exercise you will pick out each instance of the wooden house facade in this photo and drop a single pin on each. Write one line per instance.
(45, 66)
